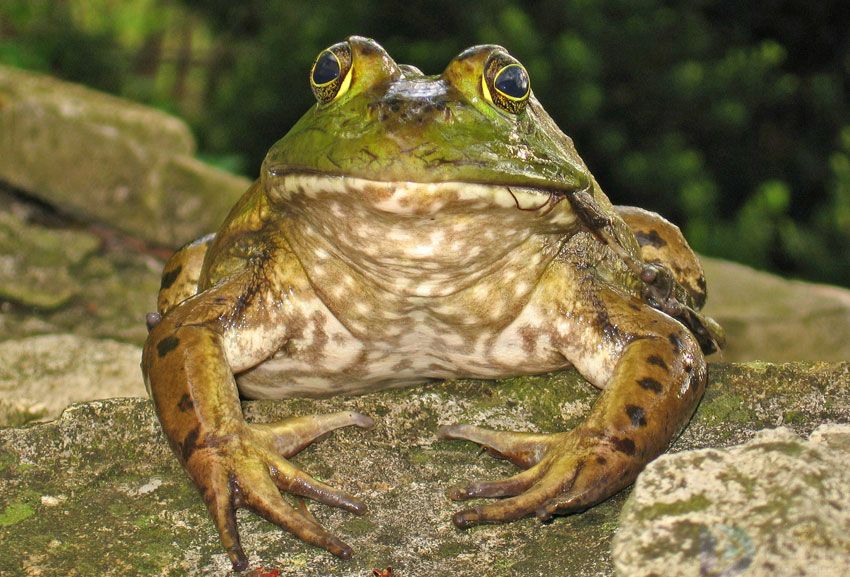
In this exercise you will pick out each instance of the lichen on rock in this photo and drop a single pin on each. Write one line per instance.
(776, 505)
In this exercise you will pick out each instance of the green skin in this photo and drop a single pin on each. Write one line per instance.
(408, 230)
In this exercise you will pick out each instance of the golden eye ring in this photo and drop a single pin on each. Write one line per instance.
(330, 76)
(505, 83)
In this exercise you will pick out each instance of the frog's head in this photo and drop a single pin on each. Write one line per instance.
(428, 163)
(478, 122)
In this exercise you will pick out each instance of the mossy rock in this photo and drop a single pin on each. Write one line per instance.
(36, 262)
(98, 492)
(58, 276)
(107, 159)
(776, 505)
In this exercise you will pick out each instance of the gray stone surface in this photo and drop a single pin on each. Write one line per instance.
(97, 492)
(64, 278)
(41, 375)
(36, 263)
(775, 506)
(770, 318)
(109, 160)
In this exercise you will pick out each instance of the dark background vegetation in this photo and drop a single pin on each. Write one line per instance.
(731, 118)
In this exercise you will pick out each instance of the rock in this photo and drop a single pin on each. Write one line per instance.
(92, 285)
(21, 322)
(114, 291)
(107, 159)
(770, 318)
(35, 262)
(97, 491)
(775, 506)
(119, 288)
(194, 198)
(40, 376)
(16, 412)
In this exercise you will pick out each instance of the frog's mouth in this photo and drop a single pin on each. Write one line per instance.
(422, 199)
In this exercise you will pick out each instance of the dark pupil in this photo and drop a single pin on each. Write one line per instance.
(326, 69)
(512, 81)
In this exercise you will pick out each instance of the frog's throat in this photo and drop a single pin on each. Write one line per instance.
(418, 239)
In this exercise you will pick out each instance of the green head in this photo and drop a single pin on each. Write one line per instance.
(477, 122)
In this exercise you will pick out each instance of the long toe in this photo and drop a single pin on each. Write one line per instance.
(293, 435)
(508, 509)
(506, 487)
(219, 500)
(265, 500)
(292, 480)
(522, 449)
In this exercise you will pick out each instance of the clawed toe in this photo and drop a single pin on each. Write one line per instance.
(569, 472)
(507, 487)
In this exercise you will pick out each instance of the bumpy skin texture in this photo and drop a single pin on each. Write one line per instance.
(410, 230)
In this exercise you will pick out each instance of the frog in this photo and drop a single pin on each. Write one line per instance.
(412, 228)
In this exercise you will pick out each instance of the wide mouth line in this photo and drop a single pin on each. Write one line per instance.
(549, 190)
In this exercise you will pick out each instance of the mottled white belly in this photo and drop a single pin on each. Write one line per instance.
(412, 351)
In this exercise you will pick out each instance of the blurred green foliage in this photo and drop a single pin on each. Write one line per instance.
(730, 118)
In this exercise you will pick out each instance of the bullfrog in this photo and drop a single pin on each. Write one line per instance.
(410, 228)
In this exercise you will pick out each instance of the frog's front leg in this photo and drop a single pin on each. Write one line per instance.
(653, 373)
(188, 362)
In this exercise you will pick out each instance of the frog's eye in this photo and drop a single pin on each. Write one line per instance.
(505, 83)
(512, 82)
(330, 76)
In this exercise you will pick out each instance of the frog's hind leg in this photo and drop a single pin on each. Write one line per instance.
(661, 242)
(180, 275)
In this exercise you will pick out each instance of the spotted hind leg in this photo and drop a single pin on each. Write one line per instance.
(676, 282)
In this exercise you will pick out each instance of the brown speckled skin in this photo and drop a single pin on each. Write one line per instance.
(336, 282)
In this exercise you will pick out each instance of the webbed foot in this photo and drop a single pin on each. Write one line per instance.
(564, 473)
(248, 467)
